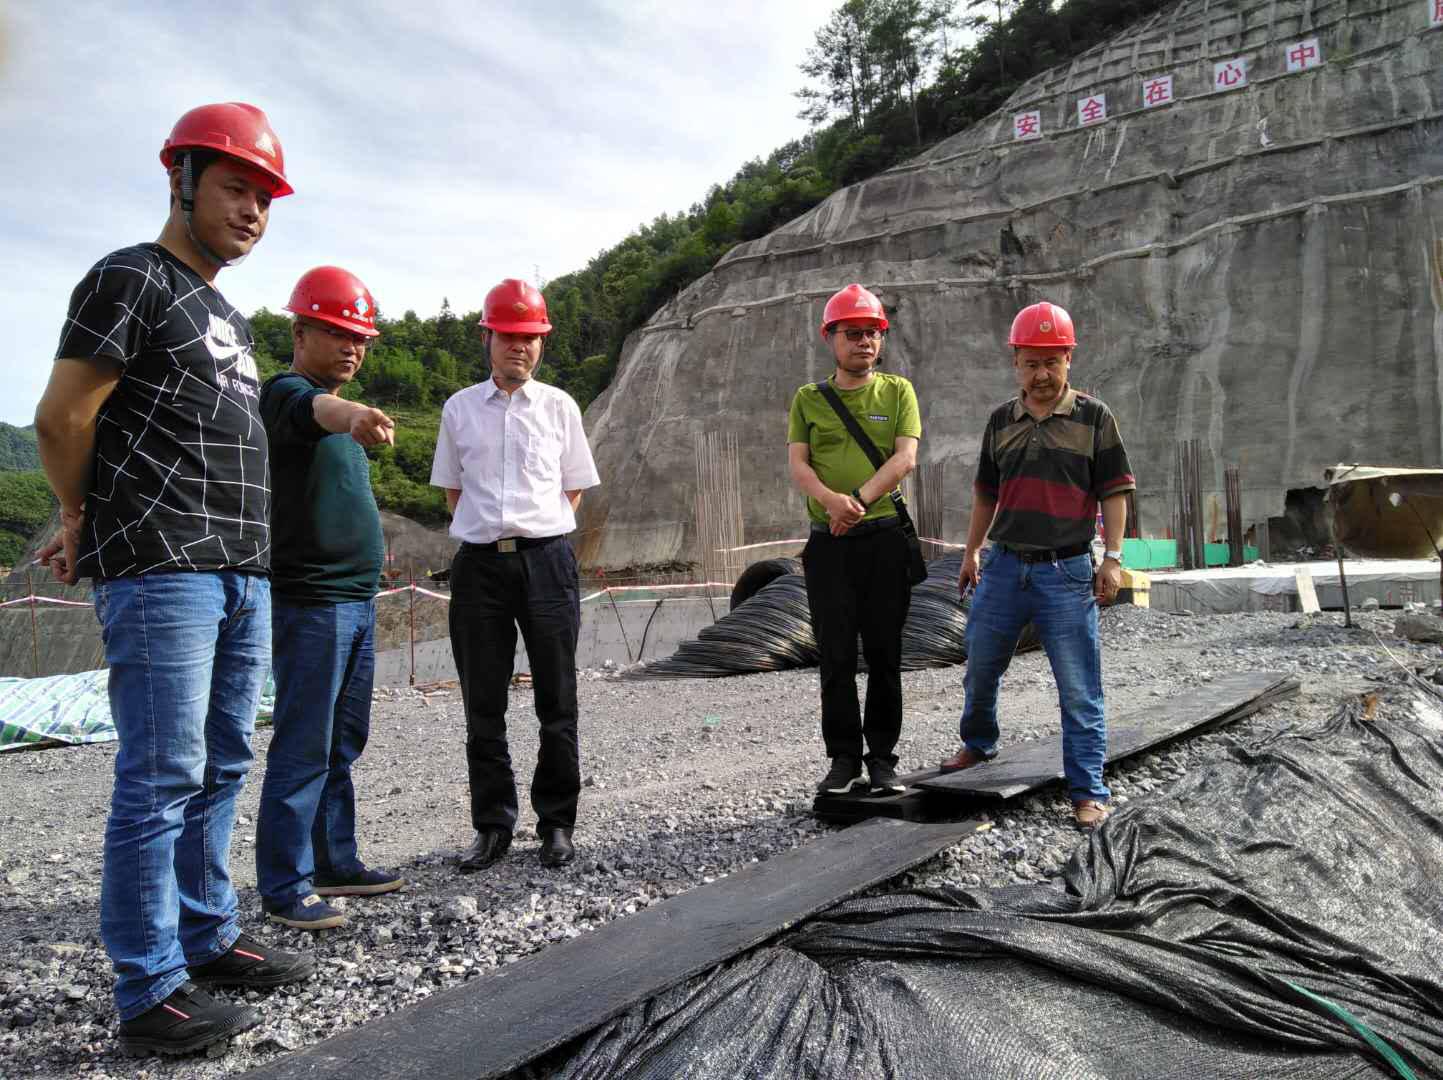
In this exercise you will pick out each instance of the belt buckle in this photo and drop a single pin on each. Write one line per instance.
(507, 546)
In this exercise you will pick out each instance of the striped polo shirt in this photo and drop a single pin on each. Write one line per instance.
(1048, 475)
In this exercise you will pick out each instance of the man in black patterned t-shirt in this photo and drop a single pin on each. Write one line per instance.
(150, 435)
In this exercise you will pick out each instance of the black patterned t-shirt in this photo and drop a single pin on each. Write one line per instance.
(181, 478)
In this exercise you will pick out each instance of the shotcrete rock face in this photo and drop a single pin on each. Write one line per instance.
(1252, 256)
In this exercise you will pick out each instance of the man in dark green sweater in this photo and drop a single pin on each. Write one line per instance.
(326, 558)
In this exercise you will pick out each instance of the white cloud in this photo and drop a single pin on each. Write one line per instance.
(435, 148)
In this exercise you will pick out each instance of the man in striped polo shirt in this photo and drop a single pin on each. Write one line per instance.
(1048, 457)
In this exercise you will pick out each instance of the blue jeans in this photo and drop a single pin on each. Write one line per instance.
(325, 664)
(188, 654)
(1057, 598)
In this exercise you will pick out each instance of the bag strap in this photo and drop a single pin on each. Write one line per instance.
(862, 439)
(849, 421)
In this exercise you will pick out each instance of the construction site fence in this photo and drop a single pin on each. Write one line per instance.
(29, 608)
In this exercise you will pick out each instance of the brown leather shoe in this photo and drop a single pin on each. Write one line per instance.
(1089, 813)
(962, 759)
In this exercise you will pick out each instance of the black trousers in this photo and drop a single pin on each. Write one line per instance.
(859, 584)
(492, 594)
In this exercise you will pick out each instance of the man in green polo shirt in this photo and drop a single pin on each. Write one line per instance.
(326, 558)
(856, 556)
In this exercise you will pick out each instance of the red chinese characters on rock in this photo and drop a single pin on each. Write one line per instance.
(1158, 91)
(1230, 74)
(1092, 110)
(1306, 54)
(1435, 14)
(1027, 125)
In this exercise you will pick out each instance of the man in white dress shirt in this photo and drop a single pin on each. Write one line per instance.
(513, 458)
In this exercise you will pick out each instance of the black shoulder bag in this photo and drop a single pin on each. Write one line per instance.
(916, 565)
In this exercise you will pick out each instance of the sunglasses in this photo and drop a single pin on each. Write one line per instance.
(869, 333)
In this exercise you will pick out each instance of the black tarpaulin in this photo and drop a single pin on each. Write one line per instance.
(1276, 913)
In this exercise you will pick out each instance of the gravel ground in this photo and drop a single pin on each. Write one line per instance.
(685, 782)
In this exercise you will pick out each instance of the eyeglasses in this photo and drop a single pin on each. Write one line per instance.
(358, 340)
(869, 333)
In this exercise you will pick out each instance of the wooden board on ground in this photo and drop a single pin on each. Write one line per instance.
(1025, 767)
(494, 1024)
(1307, 594)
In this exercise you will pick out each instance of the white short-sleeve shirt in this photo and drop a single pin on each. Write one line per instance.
(513, 458)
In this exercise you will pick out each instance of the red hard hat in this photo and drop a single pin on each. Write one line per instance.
(1043, 326)
(515, 307)
(235, 129)
(853, 302)
(332, 295)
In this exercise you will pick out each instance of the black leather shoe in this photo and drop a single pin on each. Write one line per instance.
(487, 848)
(556, 847)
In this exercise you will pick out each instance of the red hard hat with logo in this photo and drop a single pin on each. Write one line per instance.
(853, 302)
(235, 129)
(335, 296)
(1043, 326)
(515, 307)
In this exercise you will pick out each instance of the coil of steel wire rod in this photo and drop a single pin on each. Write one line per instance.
(772, 631)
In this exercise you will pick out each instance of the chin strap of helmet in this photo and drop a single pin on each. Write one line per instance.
(187, 207)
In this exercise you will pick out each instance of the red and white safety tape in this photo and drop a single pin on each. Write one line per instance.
(32, 600)
(613, 589)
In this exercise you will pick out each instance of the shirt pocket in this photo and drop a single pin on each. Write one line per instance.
(543, 456)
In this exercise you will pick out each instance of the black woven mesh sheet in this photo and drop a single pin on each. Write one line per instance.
(1277, 913)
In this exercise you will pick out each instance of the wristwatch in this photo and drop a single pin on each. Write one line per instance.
(1115, 556)
(857, 494)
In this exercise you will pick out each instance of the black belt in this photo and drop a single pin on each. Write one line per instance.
(862, 528)
(1056, 555)
(510, 544)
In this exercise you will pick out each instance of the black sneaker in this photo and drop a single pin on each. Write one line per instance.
(361, 882)
(884, 778)
(846, 774)
(249, 963)
(188, 1020)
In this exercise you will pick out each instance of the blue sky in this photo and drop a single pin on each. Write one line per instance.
(434, 147)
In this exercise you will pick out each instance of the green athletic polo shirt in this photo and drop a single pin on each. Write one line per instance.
(886, 407)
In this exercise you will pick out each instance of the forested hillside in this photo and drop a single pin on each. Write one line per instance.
(884, 80)
(25, 500)
(17, 448)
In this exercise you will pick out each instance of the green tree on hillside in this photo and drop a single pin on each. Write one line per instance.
(17, 448)
(25, 506)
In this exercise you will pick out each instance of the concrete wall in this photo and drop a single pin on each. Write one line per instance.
(1392, 582)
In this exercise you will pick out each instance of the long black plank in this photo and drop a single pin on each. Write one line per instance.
(490, 1025)
(1022, 768)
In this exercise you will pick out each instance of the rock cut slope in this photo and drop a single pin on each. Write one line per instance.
(1256, 267)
